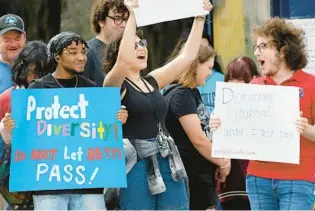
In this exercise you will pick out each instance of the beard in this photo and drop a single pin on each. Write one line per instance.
(275, 66)
(71, 71)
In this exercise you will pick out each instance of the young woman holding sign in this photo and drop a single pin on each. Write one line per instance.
(187, 121)
(157, 179)
(67, 52)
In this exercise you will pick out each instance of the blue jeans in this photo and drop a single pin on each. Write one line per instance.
(69, 202)
(137, 195)
(274, 194)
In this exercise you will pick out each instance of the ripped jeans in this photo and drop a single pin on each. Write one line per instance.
(69, 202)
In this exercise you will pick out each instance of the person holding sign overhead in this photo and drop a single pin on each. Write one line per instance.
(67, 52)
(281, 53)
(157, 179)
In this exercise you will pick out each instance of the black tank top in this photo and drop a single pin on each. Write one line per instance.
(145, 110)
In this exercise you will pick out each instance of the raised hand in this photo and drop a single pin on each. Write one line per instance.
(131, 4)
(207, 5)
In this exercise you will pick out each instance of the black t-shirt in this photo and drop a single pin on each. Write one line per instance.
(93, 69)
(185, 101)
(145, 111)
(49, 81)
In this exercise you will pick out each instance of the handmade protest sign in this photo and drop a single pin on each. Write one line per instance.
(66, 139)
(257, 122)
(153, 11)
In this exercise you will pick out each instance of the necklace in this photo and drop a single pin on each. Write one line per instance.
(76, 81)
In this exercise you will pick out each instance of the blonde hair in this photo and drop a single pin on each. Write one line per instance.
(188, 77)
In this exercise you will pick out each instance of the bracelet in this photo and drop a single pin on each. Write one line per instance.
(203, 19)
(200, 18)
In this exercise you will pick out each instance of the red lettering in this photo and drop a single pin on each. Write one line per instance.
(107, 150)
(114, 153)
(95, 154)
(19, 156)
(119, 154)
(43, 154)
(53, 152)
(90, 154)
(35, 155)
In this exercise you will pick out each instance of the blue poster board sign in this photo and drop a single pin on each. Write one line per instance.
(66, 139)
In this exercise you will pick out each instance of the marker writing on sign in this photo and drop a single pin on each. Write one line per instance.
(93, 175)
(56, 111)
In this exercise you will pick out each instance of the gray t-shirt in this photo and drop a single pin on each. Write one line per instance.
(93, 69)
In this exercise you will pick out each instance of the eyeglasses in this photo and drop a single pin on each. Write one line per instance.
(118, 20)
(143, 43)
(261, 46)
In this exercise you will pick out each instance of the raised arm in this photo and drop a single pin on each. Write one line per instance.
(171, 71)
(126, 54)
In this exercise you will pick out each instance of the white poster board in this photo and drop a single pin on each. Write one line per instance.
(257, 122)
(308, 25)
(157, 11)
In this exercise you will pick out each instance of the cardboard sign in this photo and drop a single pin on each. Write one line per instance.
(66, 139)
(257, 122)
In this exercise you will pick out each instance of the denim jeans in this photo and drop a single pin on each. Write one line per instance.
(137, 195)
(274, 194)
(69, 202)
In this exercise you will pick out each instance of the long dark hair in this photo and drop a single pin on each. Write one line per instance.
(33, 58)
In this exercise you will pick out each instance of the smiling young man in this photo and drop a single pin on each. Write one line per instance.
(281, 53)
(108, 21)
(12, 41)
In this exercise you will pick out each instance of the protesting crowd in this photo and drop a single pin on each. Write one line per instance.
(167, 123)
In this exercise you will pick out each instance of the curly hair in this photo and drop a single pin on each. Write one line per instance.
(100, 10)
(241, 68)
(288, 39)
(110, 53)
(33, 58)
(60, 41)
